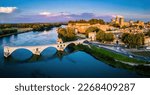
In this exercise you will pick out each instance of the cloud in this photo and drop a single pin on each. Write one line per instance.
(120, 16)
(53, 14)
(63, 17)
(7, 9)
(59, 17)
(45, 13)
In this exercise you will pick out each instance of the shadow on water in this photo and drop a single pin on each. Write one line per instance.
(53, 63)
(25, 56)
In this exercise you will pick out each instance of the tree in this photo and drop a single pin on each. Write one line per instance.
(100, 36)
(141, 27)
(139, 39)
(67, 34)
(124, 27)
(133, 40)
(116, 25)
(109, 37)
(96, 21)
(148, 33)
(91, 29)
(81, 21)
(124, 37)
(91, 21)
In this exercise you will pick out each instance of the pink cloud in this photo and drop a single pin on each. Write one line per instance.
(7, 9)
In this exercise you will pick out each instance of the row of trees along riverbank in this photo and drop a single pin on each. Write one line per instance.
(14, 28)
(91, 21)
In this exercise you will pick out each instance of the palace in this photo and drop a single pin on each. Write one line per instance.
(82, 27)
(121, 22)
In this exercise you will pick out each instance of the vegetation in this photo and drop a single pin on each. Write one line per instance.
(124, 27)
(109, 37)
(8, 31)
(67, 34)
(148, 33)
(96, 21)
(116, 25)
(101, 36)
(103, 54)
(110, 58)
(91, 29)
(91, 21)
(28, 25)
(133, 40)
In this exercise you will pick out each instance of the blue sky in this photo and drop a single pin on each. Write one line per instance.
(19, 11)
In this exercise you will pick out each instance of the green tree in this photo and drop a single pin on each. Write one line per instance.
(124, 37)
(91, 29)
(109, 37)
(133, 40)
(67, 34)
(96, 21)
(100, 36)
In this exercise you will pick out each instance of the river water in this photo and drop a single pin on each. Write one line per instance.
(49, 64)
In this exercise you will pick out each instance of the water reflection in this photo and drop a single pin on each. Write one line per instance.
(52, 63)
(26, 56)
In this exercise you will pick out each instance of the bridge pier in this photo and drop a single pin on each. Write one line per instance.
(6, 54)
(37, 51)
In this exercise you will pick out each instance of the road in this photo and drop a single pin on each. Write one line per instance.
(119, 50)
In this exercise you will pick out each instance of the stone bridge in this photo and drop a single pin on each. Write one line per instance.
(8, 50)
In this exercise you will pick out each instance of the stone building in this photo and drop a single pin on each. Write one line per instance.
(92, 36)
(147, 41)
(118, 20)
(82, 27)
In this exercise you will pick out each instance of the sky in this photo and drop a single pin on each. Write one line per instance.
(29, 11)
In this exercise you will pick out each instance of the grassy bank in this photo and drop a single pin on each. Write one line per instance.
(106, 55)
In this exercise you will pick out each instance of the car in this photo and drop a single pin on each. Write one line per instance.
(130, 56)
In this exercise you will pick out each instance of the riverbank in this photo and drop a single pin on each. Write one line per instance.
(116, 60)
(12, 29)
(19, 31)
(109, 56)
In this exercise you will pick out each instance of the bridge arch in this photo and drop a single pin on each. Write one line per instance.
(38, 49)
(49, 51)
(25, 54)
(69, 45)
(21, 49)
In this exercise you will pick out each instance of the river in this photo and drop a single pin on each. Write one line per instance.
(49, 64)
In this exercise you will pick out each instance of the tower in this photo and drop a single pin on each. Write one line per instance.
(121, 21)
(117, 19)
